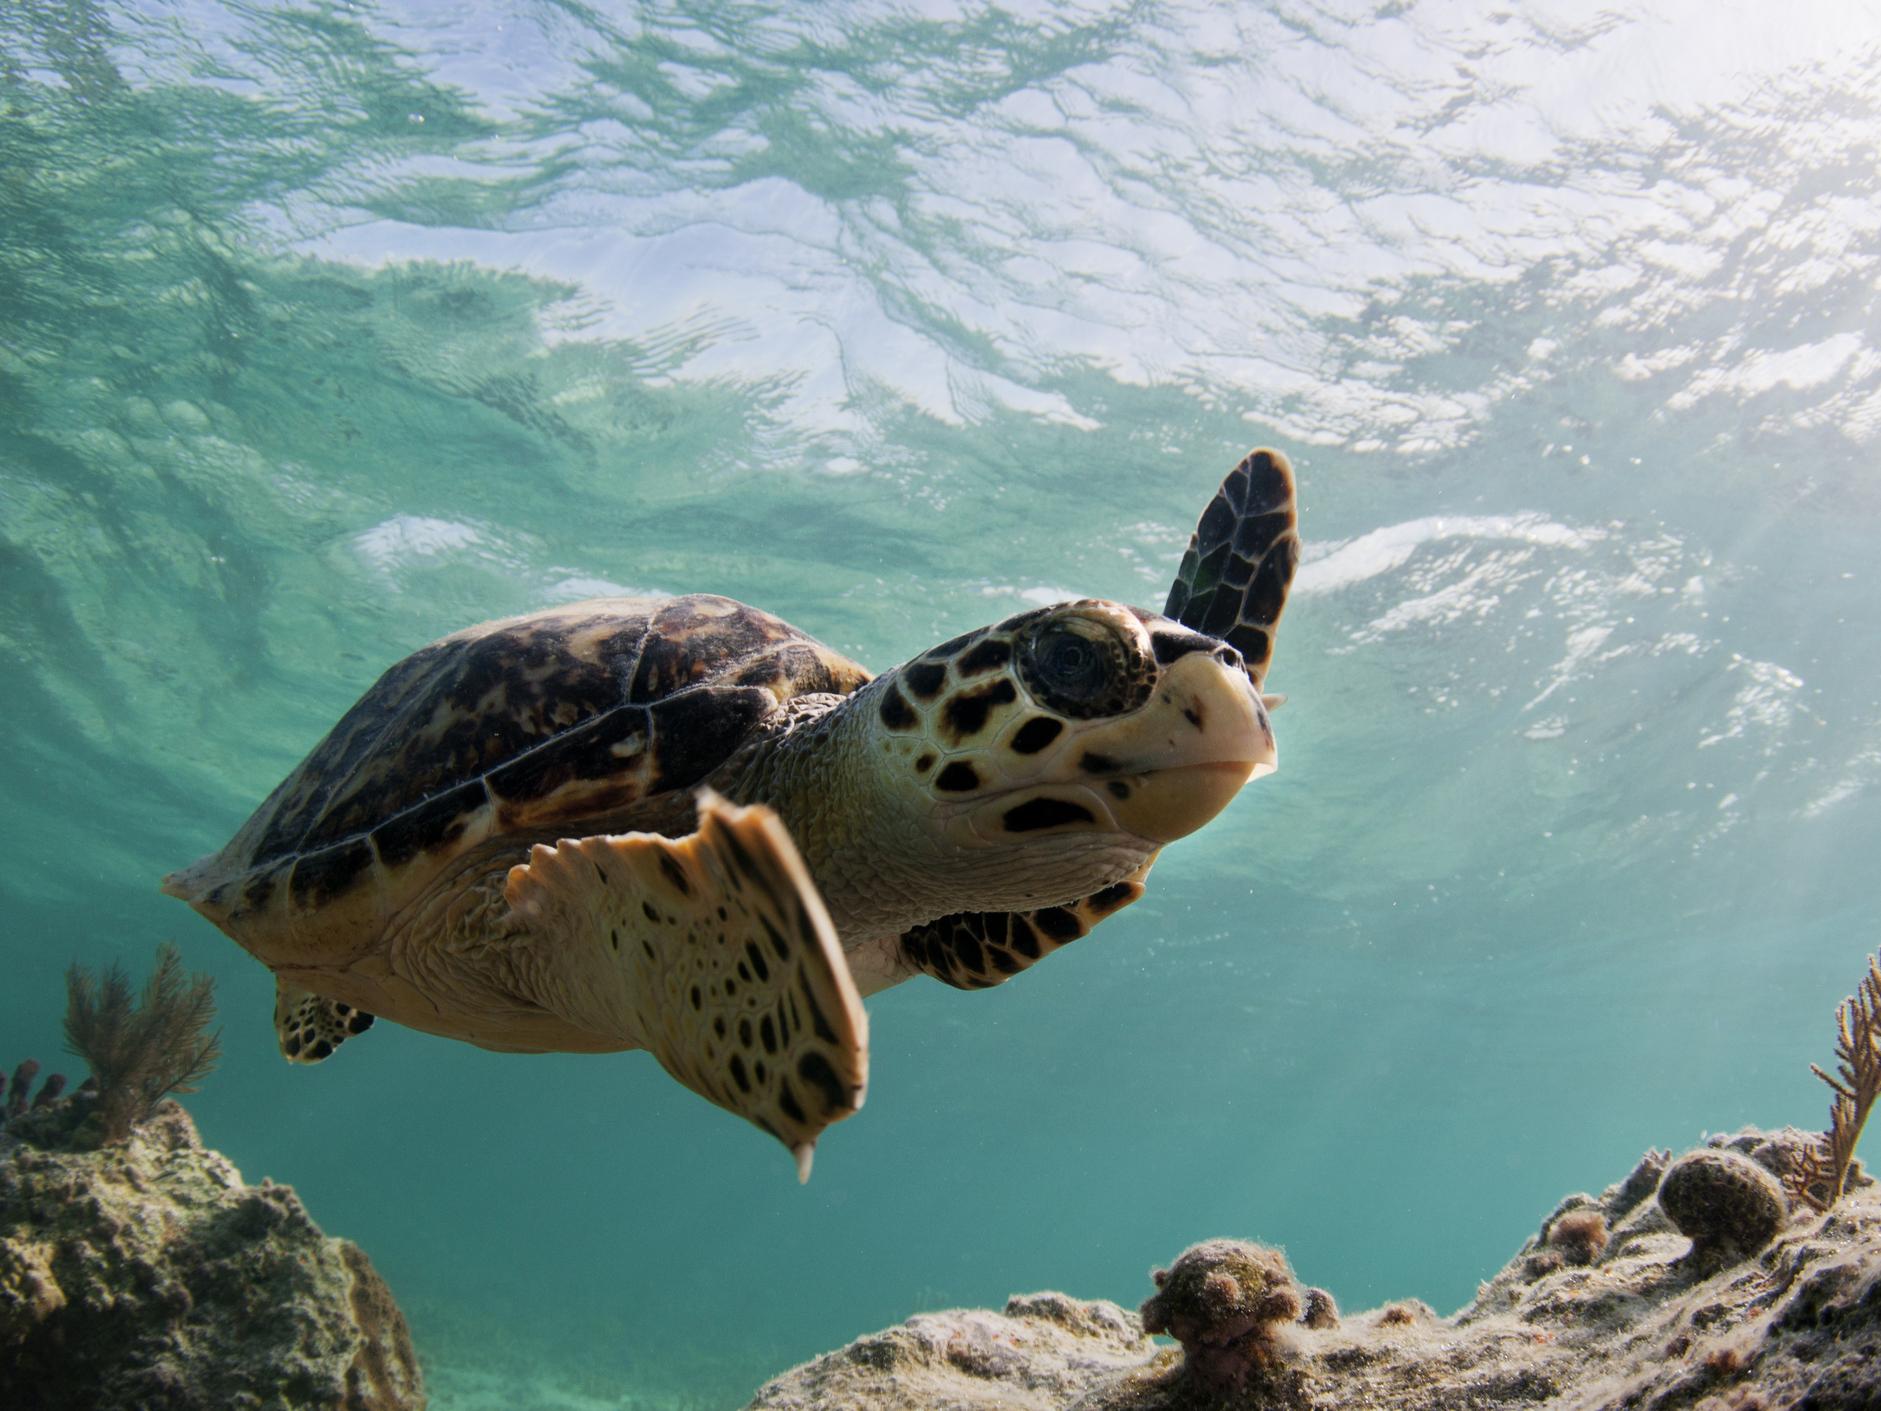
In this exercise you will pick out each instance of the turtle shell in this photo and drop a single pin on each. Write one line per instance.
(526, 726)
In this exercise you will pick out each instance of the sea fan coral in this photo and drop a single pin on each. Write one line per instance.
(140, 1052)
(1817, 1177)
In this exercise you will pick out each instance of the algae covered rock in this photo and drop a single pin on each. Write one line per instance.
(1224, 1301)
(1632, 1323)
(1038, 1354)
(146, 1274)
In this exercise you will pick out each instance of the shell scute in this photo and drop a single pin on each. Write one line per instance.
(694, 643)
(585, 751)
(689, 743)
(441, 818)
(307, 796)
(320, 876)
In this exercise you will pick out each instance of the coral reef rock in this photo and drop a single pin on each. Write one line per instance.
(1637, 1326)
(1041, 1352)
(145, 1274)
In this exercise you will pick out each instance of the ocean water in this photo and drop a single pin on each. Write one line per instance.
(326, 329)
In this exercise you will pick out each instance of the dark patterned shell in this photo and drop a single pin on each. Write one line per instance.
(524, 726)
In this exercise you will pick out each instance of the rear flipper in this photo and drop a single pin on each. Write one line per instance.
(715, 952)
(310, 1026)
(974, 950)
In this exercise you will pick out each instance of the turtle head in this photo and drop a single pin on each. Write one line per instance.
(1056, 751)
(1087, 725)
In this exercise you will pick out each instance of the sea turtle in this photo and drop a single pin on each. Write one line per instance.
(680, 824)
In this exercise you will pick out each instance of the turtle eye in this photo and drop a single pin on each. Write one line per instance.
(1071, 665)
(1079, 665)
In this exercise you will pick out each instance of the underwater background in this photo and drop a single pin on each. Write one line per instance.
(328, 329)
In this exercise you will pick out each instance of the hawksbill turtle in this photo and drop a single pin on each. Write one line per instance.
(681, 824)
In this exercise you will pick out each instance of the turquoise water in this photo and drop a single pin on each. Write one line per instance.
(326, 330)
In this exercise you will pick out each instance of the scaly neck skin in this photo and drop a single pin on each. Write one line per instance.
(867, 827)
(866, 843)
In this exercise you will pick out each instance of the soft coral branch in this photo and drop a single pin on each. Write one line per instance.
(1817, 1178)
(139, 1052)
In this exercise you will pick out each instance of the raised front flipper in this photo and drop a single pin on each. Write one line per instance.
(974, 950)
(1234, 578)
(309, 1026)
(713, 951)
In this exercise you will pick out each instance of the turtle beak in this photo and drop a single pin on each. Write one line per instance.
(1180, 762)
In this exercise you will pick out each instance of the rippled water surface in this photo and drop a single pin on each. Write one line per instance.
(327, 329)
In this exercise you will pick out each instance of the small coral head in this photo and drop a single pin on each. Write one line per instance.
(1580, 1235)
(1224, 1300)
(1726, 1204)
(1322, 1309)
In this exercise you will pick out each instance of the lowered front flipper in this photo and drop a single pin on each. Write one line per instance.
(974, 950)
(713, 951)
